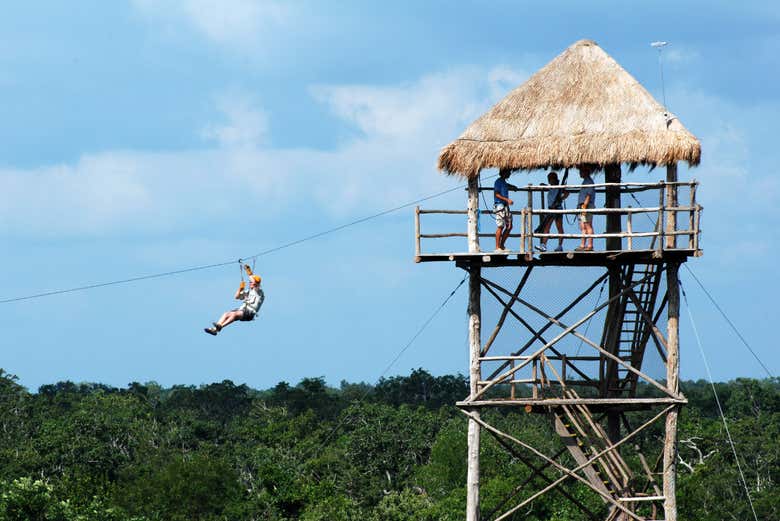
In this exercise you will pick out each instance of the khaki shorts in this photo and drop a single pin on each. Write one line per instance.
(586, 218)
(503, 216)
(246, 314)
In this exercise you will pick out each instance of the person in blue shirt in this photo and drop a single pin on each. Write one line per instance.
(501, 210)
(586, 200)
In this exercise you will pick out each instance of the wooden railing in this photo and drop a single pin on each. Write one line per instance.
(650, 233)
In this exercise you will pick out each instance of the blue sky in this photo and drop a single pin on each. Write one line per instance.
(144, 136)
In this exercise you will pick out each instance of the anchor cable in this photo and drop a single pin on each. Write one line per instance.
(717, 401)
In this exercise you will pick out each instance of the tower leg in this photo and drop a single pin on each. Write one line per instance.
(672, 378)
(475, 345)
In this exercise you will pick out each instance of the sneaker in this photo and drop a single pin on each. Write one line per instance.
(217, 327)
(211, 331)
(502, 250)
(559, 248)
(541, 247)
(580, 248)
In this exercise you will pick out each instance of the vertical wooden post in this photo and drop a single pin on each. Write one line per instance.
(522, 231)
(630, 230)
(691, 216)
(417, 233)
(512, 386)
(531, 219)
(475, 375)
(659, 245)
(563, 370)
(671, 202)
(473, 214)
(696, 235)
(612, 200)
(529, 247)
(673, 383)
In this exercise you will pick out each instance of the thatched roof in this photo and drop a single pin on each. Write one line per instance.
(581, 108)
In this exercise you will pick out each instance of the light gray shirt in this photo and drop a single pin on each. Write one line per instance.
(253, 299)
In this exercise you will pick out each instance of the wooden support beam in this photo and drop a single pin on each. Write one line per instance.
(572, 330)
(692, 217)
(535, 471)
(475, 344)
(612, 200)
(548, 402)
(417, 249)
(570, 473)
(567, 473)
(671, 202)
(536, 335)
(660, 226)
(473, 215)
(563, 312)
(504, 313)
(672, 381)
(566, 331)
(613, 325)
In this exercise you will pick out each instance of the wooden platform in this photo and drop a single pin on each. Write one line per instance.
(564, 258)
(544, 405)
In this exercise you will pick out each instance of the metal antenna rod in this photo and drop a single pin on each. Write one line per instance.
(660, 46)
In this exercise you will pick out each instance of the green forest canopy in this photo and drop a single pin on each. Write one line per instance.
(390, 451)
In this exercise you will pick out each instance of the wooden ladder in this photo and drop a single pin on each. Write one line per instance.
(584, 437)
(635, 331)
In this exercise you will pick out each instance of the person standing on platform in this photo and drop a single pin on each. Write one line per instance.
(586, 201)
(555, 197)
(501, 210)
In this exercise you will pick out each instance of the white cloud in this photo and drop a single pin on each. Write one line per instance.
(246, 125)
(402, 129)
(410, 111)
(232, 23)
(738, 190)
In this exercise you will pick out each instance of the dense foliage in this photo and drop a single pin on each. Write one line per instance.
(394, 451)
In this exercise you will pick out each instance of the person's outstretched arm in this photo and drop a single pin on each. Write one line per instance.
(240, 291)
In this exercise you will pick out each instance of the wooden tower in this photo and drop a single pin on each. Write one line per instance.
(580, 109)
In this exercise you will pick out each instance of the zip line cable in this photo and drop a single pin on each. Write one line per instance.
(227, 263)
(422, 328)
(730, 323)
(114, 282)
(717, 401)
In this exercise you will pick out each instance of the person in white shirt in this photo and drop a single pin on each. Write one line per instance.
(253, 298)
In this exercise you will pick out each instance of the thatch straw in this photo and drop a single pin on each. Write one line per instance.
(581, 108)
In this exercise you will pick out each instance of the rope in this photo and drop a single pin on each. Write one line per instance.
(730, 323)
(717, 400)
(226, 263)
(114, 282)
(422, 328)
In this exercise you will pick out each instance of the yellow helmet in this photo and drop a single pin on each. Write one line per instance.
(255, 278)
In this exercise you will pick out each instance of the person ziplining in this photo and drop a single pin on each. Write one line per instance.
(253, 298)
